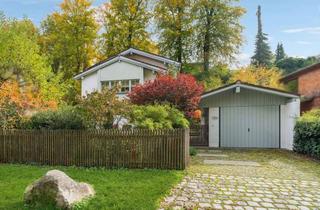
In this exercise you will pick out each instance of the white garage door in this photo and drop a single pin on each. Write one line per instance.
(251, 126)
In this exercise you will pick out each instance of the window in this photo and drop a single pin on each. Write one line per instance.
(125, 85)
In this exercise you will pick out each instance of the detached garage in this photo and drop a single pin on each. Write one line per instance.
(249, 116)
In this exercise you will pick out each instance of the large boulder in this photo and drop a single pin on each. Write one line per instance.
(57, 189)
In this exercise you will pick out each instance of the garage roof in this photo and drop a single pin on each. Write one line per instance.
(250, 87)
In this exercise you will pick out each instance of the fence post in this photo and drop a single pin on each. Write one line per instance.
(186, 141)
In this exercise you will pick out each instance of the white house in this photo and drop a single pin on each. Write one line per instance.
(250, 116)
(128, 68)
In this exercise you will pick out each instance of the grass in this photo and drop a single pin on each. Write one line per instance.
(274, 164)
(115, 189)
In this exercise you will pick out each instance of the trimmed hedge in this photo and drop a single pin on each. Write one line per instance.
(67, 117)
(307, 134)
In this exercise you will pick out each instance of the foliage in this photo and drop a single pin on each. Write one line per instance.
(125, 24)
(16, 102)
(128, 187)
(20, 59)
(280, 54)
(216, 76)
(68, 37)
(174, 24)
(217, 30)
(158, 117)
(193, 151)
(267, 77)
(291, 64)
(103, 109)
(262, 54)
(10, 114)
(307, 134)
(182, 92)
(66, 117)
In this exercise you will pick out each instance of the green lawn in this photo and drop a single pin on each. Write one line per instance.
(115, 189)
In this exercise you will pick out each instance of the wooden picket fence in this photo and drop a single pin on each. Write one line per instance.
(161, 149)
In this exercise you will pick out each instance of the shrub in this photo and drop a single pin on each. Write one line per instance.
(104, 109)
(182, 92)
(10, 115)
(157, 117)
(307, 134)
(67, 117)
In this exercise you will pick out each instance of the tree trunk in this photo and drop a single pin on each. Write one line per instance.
(206, 48)
(207, 39)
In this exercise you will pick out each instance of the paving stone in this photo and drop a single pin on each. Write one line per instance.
(209, 191)
(217, 206)
(252, 203)
(265, 204)
(227, 207)
(231, 162)
(205, 205)
(211, 155)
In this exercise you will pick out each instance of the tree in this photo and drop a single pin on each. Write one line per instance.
(174, 24)
(291, 64)
(68, 37)
(125, 24)
(267, 77)
(22, 62)
(218, 30)
(182, 92)
(216, 76)
(262, 54)
(280, 54)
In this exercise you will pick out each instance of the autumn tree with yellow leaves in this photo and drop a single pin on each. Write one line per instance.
(267, 77)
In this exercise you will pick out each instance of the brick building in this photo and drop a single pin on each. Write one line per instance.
(305, 82)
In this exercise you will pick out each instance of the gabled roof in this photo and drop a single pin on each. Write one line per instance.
(299, 72)
(250, 87)
(150, 55)
(121, 57)
(112, 60)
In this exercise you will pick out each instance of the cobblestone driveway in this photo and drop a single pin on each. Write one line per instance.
(226, 191)
(229, 192)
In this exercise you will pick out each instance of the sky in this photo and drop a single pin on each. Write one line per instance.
(295, 23)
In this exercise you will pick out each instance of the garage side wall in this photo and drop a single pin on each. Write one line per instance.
(289, 114)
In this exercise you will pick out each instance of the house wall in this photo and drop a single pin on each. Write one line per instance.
(115, 71)
(214, 129)
(289, 114)
(308, 83)
(149, 75)
(121, 71)
(89, 83)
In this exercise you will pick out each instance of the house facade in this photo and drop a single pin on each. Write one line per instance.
(128, 68)
(305, 82)
(242, 115)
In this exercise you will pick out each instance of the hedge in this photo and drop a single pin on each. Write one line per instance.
(307, 134)
(66, 117)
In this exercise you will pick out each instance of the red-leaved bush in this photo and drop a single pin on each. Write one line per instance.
(183, 92)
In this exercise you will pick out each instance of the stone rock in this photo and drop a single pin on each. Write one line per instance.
(58, 189)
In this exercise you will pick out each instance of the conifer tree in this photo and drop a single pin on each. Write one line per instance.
(262, 54)
(280, 54)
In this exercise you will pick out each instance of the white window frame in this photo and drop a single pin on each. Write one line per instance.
(108, 83)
